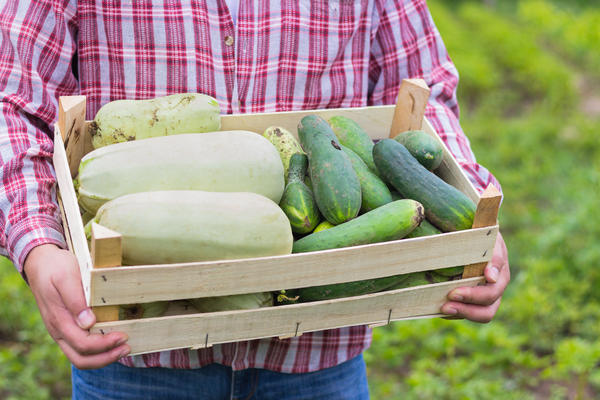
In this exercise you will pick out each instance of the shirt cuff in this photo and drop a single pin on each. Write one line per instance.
(31, 232)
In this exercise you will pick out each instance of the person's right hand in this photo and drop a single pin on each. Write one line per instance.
(54, 278)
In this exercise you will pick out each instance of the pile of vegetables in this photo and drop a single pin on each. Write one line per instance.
(189, 192)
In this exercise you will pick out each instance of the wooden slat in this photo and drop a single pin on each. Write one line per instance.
(63, 217)
(198, 330)
(73, 218)
(138, 284)
(485, 215)
(375, 120)
(71, 119)
(410, 106)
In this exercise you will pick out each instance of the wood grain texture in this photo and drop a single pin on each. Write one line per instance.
(410, 106)
(200, 330)
(485, 215)
(106, 247)
(106, 252)
(73, 217)
(138, 284)
(71, 120)
(375, 120)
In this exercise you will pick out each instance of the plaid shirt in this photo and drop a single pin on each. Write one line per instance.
(278, 56)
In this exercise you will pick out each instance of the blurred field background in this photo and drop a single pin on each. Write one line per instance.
(530, 103)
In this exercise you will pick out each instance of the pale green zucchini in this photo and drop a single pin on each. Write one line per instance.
(126, 120)
(184, 226)
(227, 161)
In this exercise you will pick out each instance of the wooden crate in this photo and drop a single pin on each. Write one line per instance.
(107, 284)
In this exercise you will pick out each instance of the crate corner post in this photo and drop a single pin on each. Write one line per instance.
(106, 251)
(71, 122)
(410, 106)
(486, 215)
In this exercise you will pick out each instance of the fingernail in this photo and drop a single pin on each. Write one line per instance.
(456, 296)
(85, 319)
(494, 273)
(449, 310)
(124, 352)
(121, 341)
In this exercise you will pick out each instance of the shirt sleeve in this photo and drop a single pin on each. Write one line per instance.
(406, 44)
(36, 48)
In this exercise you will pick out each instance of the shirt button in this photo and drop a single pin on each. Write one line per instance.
(229, 40)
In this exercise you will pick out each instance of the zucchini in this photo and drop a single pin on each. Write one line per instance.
(126, 120)
(335, 185)
(389, 222)
(375, 192)
(445, 206)
(423, 147)
(167, 227)
(226, 161)
(297, 201)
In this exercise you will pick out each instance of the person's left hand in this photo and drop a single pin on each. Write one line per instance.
(480, 303)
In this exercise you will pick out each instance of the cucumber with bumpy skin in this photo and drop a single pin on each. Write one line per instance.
(425, 229)
(445, 206)
(335, 185)
(298, 202)
(423, 147)
(322, 226)
(375, 192)
(389, 222)
(351, 135)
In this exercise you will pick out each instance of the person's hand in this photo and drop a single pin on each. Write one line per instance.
(54, 278)
(480, 303)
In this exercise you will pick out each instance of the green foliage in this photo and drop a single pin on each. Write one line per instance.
(525, 125)
(31, 364)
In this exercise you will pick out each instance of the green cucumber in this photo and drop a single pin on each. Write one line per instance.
(351, 135)
(389, 222)
(347, 289)
(445, 206)
(297, 201)
(374, 191)
(335, 185)
(322, 226)
(428, 151)
(396, 195)
(450, 272)
(425, 229)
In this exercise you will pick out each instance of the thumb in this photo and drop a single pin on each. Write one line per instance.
(71, 291)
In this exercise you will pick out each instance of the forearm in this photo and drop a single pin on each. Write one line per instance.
(35, 57)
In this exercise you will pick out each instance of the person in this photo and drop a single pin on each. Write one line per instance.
(252, 56)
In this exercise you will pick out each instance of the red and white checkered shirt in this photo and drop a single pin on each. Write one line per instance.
(277, 56)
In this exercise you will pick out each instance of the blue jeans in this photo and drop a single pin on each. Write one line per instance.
(118, 382)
